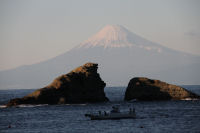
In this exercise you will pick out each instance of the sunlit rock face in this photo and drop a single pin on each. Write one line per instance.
(81, 85)
(148, 89)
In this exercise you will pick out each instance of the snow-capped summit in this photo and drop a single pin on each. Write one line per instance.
(116, 36)
(109, 36)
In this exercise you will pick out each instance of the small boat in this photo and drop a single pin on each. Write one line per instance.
(114, 114)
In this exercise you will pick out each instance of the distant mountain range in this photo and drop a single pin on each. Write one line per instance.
(121, 55)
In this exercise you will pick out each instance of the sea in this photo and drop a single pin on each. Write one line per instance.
(151, 116)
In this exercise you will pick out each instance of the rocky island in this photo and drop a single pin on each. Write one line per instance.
(141, 88)
(81, 85)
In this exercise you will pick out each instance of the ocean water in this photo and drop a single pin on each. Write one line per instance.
(151, 117)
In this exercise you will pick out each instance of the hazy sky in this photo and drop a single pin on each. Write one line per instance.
(35, 30)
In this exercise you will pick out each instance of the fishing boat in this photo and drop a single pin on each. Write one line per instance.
(115, 113)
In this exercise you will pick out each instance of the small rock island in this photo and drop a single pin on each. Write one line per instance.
(141, 88)
(81, 85)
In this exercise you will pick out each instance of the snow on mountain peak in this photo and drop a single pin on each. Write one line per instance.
(115, 36)
(109, 36)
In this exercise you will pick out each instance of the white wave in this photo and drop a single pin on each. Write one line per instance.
(189, 99)
(76, 104)
(30, 105)
(3, 106)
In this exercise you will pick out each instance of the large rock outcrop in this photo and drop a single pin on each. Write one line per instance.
(148, 89)
(81, 85)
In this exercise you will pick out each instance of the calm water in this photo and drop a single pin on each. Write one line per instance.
(152, 117)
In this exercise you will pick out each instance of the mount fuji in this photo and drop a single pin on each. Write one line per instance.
(121, 55)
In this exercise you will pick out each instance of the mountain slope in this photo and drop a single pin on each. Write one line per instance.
(121, 55)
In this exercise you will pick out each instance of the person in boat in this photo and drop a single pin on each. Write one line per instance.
(115, 110)
(99, 112)
(105, 113)
(131, 110)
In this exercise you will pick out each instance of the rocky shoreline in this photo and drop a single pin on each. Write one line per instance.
(84, 85)
(141, 88)
(81, 85)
